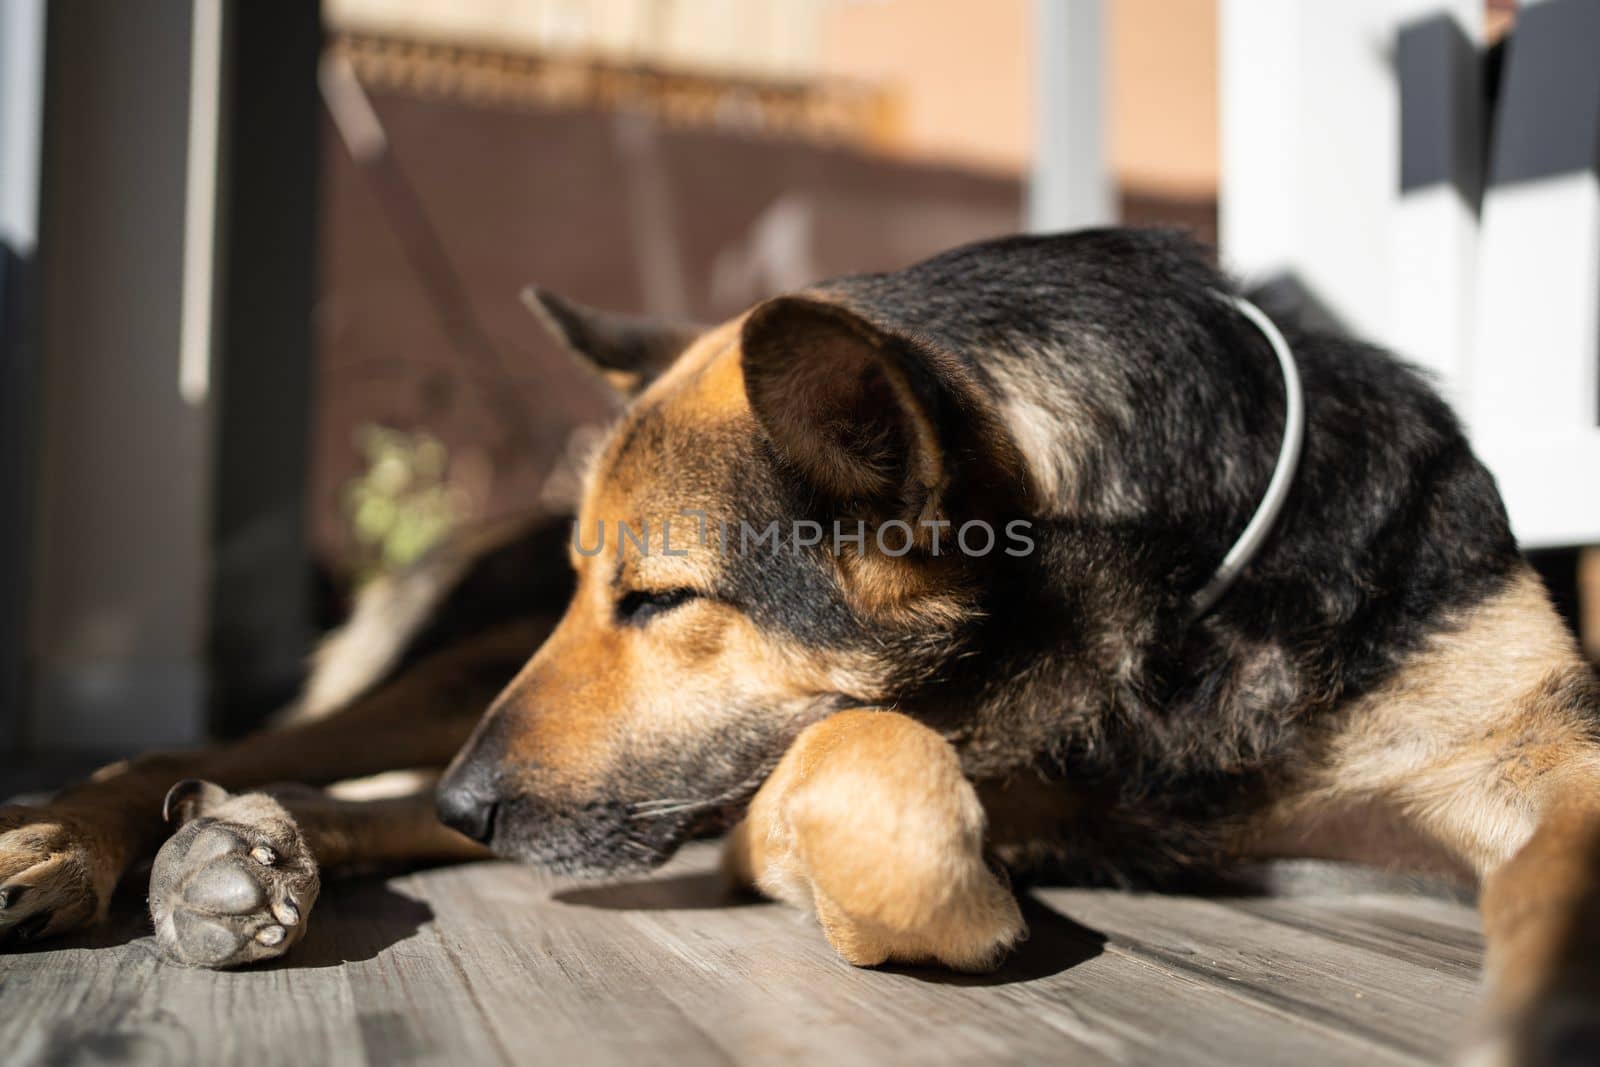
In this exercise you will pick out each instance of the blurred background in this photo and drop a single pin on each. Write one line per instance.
(260, 338)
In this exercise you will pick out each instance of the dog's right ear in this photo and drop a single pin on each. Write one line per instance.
(870, 412)
(628, 351)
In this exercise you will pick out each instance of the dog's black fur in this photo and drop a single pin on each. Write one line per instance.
(1392, 524)
(1083, 660)
(1157, 412)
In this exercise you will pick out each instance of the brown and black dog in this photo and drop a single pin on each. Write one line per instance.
(901, 570)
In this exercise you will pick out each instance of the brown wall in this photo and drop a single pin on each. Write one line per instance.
(568, 199)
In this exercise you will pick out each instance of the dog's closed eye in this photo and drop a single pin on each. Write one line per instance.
(641, 605)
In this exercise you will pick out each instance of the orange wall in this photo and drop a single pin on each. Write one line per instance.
(961, 72)
(962, 75)
(1163, 87)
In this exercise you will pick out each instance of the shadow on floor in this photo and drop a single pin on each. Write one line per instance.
(356, 920)
(683, 892)
(1055, 943)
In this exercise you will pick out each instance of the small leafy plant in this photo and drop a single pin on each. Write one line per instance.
(402, 503)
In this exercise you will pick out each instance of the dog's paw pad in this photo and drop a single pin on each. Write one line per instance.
(233, 886)
(225, 888)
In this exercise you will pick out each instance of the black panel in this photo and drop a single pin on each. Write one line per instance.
(1549, 115)
(1441, 104)
(261, 598)
(1559, 569)
(18, 383)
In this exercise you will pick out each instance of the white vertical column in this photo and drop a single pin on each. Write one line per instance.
(1258, 93)
(21, 103)
(1538, 325)
(1535, 378)
(1435, 215)
(1071, 183)
(1310, 155)
(200, 201)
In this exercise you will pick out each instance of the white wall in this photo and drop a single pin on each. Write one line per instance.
(1504, 309)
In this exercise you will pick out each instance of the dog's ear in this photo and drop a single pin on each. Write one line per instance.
(865, 411)
(627, 350)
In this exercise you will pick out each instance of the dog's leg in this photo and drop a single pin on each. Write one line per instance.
(1541, 916)
(59, 863)
(868, 821)
(236, 883)
(1488, 742)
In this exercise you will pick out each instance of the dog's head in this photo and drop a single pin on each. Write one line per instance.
(726, 595)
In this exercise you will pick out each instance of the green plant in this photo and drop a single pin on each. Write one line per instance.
(401, 504)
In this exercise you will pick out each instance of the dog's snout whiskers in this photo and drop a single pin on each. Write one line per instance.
(664, 806)
(651, 809)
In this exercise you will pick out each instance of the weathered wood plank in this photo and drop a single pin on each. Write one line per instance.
(1062, 999)
(1348, 989)
(497, 964)
(1404, 930)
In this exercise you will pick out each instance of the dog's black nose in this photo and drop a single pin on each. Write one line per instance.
(466, 801)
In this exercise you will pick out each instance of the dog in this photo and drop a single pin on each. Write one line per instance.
(899, 591)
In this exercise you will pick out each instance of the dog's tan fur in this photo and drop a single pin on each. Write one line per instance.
(869, 823)
(619, 683)
(1478, 752)
(1464, 741)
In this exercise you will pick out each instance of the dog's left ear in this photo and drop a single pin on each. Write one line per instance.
(628, 351)
(868, 412)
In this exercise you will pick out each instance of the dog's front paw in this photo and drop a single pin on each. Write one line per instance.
(868, 819)
(235, 884)
(969, 929)
(57, 871)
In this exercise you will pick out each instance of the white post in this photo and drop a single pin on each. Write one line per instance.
(1535, 379)
(1435, 214)
(21, 104)
(1071, 184)
(1319, 180)
(1309, 149)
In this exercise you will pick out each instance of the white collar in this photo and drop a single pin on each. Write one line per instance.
(1294, 431)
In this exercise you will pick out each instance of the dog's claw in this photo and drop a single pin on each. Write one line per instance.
(221, 895)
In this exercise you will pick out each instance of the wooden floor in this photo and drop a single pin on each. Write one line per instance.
(498, 964)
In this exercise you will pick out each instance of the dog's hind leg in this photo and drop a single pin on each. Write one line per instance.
(59, 863)
(868, 821)
(235, 884)
(1488, 742)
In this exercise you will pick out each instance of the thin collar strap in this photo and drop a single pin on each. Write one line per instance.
(1294, 432)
